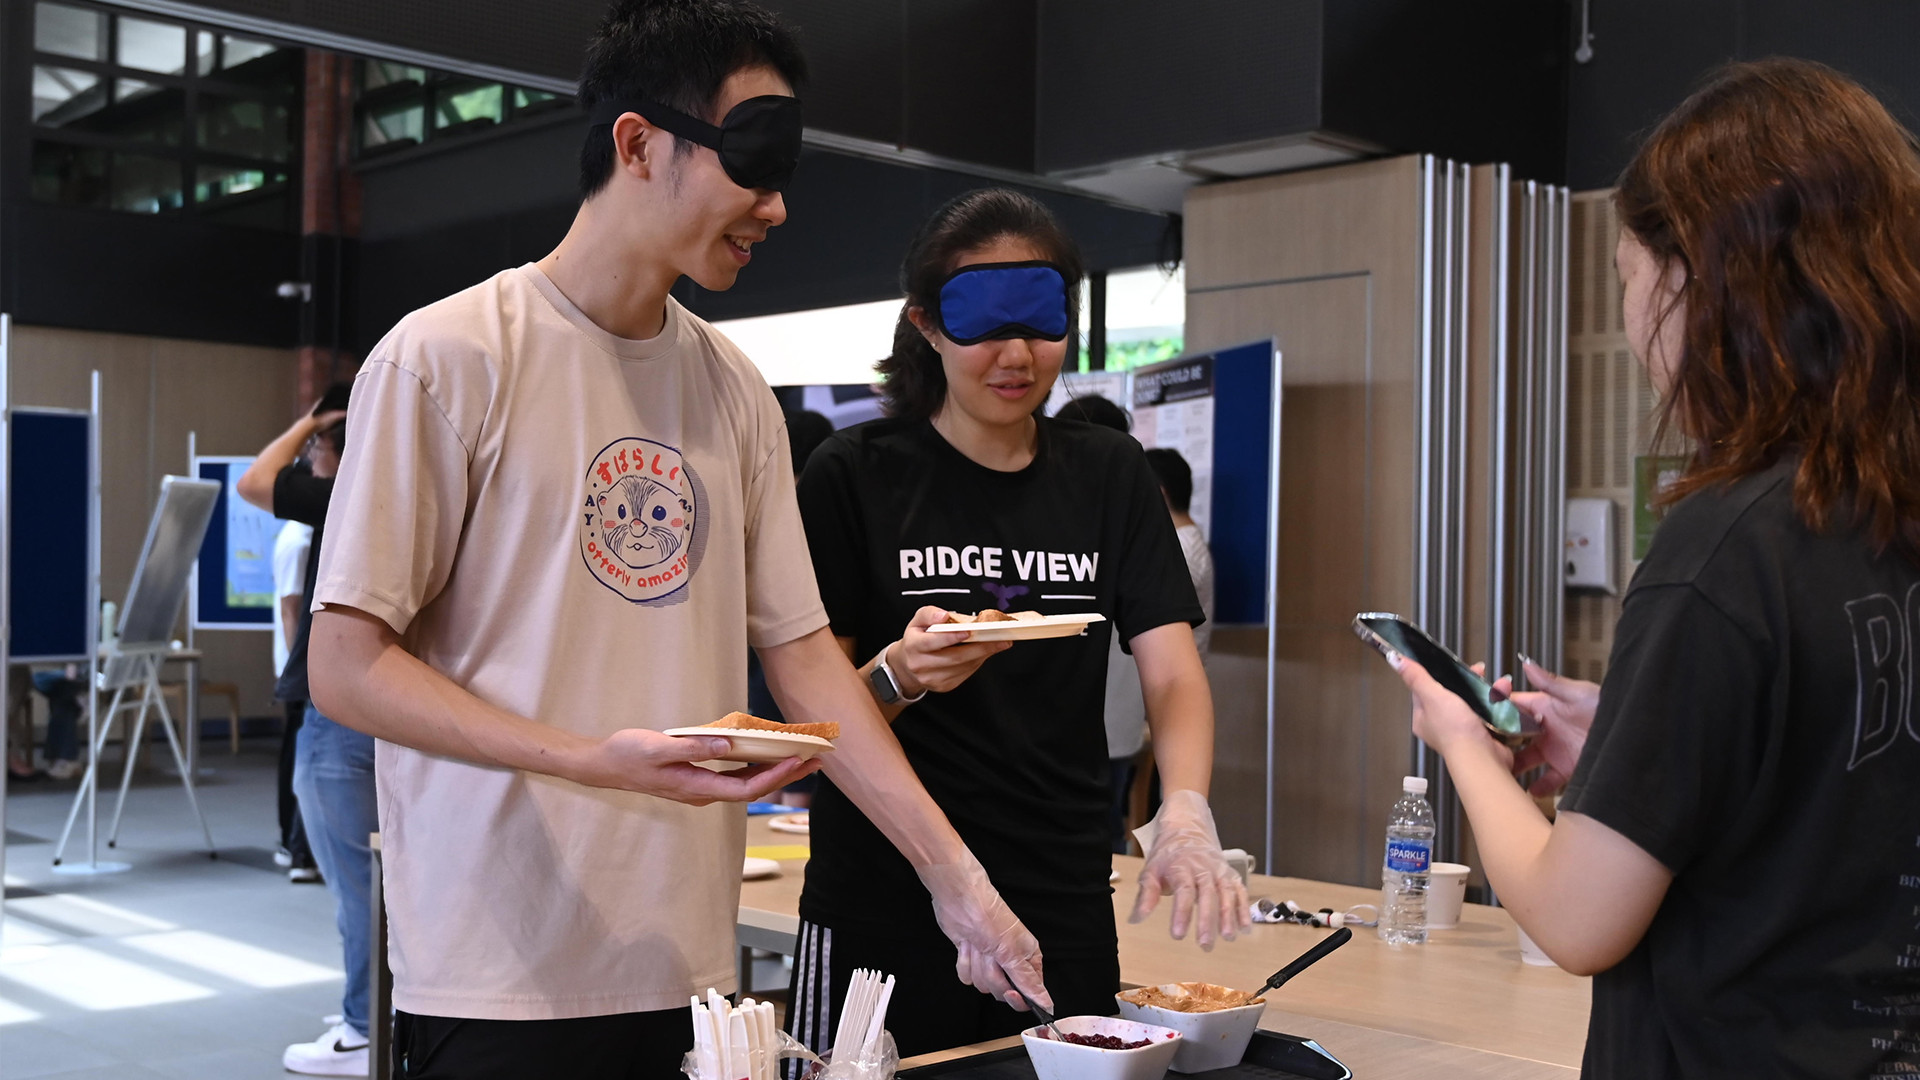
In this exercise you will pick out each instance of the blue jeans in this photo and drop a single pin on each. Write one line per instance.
(63, 713)
(333, 779)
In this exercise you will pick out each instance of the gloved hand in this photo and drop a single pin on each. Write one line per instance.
(1183, 857)
(994, 945)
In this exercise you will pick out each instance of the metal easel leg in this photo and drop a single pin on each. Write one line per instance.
(138, 734)
(88, 784)
(180, 762)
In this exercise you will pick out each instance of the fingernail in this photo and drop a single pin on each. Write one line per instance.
(1396, 660)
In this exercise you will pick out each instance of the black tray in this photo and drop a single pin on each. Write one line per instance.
(1270, 1056)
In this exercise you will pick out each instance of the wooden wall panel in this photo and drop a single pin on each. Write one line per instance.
(1327, 263)
(155, 390)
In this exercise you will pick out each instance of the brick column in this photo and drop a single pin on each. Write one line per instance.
(329, 220)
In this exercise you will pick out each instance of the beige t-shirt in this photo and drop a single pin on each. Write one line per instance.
(587, 531)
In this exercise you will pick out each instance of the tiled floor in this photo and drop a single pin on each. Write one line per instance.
(180, 967)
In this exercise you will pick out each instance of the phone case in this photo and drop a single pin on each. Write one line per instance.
(1503, 719)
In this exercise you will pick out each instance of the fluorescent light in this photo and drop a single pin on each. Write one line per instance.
(231, 959)
(91, 979)
(831, 346)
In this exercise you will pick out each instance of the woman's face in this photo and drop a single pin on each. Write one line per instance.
(1649, 291)
(995, 383)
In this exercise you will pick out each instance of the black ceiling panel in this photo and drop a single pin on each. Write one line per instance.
(1130, 78)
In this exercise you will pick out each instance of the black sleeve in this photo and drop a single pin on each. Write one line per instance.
(1681, 726)
(830, 508)
(1152, 587)
(300, 496)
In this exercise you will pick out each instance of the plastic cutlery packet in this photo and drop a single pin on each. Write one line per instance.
(738, 1042)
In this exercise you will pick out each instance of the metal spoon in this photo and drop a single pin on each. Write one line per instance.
(1045, 1016)
(1307, 959)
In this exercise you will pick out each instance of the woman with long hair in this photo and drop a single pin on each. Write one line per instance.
(1737, 853)
(963, 498)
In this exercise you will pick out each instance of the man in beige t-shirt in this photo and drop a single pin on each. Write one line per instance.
(566, 502)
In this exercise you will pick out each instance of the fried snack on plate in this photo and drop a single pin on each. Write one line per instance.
(739, 721)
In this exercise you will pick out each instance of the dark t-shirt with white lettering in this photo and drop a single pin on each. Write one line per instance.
(1017, 755)
(1757, 733)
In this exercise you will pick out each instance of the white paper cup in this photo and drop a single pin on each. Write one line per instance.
(1530, 953)
(1446, 891)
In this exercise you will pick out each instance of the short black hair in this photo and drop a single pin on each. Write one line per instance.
(1096, 409)
(676, 52)
(914, 384)
(806, 430)
(1176, 476)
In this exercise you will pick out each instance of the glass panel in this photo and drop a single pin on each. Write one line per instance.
(70, 31)
(457, 105)
(150, 112)
(393, 124)
(152, 46)
(63, 95)
(241, 50)
(214, 182)
(74, 175)
(203, 54)
(245, 126)
(524, 98)
(145, 185)
(375, 74)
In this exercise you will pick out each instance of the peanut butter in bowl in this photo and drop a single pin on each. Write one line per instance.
(1189, 997)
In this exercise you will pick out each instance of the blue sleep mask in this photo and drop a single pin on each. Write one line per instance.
(989, 301)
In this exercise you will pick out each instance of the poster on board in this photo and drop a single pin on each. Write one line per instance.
(1173, 408)
(233, 585)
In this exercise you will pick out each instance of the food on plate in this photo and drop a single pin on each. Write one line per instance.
(993, 615)
(1102, 1042)
(1190, 997)
(739, 721)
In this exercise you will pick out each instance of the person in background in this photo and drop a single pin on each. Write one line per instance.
(290, 548)
(1096, 409)
(333, 780)
(1735, 858)
(965, 496)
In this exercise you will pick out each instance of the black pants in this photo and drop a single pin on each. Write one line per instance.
(293, 835)
(931, 1008)
(625, 1046)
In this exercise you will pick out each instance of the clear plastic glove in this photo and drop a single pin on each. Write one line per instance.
(997, 953)
(1184, 858)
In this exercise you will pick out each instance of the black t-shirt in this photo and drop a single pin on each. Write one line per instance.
(1017, 755)
(300, 496)
(1756, 734)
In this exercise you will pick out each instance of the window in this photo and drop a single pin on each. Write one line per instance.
(400, 106)
(148, 115)
(1146, 317)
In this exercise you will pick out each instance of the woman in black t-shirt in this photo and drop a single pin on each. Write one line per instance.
(1737, 854)
(965, 499)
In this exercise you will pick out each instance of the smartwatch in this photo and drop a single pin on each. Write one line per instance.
(886, 685)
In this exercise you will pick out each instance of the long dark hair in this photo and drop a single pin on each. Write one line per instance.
(1792, 200)
(914, 383)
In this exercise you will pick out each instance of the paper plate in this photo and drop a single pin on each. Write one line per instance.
(1047, 626)
(755, 869)
(761, 747)
(790, 823)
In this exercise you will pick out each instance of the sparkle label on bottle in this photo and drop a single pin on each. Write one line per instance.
(1407, 856)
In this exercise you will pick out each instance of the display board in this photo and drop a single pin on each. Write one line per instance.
(1173, 409)
(233, 577)
(46, 517)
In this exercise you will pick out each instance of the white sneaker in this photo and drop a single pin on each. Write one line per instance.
(64, 769)
(342, 1051)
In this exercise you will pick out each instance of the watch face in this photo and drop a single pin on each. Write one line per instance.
(883, 685)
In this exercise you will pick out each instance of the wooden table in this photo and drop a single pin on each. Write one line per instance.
(1462, 1005)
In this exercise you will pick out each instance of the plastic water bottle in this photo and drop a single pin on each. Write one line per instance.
(1403, 889)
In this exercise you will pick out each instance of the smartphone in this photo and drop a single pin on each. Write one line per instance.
(1392, 635)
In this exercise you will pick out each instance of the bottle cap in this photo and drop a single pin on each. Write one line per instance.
(1415, 784)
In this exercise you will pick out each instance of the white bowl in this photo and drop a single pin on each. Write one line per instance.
(1055, 1060)
(1208, 1040)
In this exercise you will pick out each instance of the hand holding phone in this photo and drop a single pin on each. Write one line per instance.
(1390, 635)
